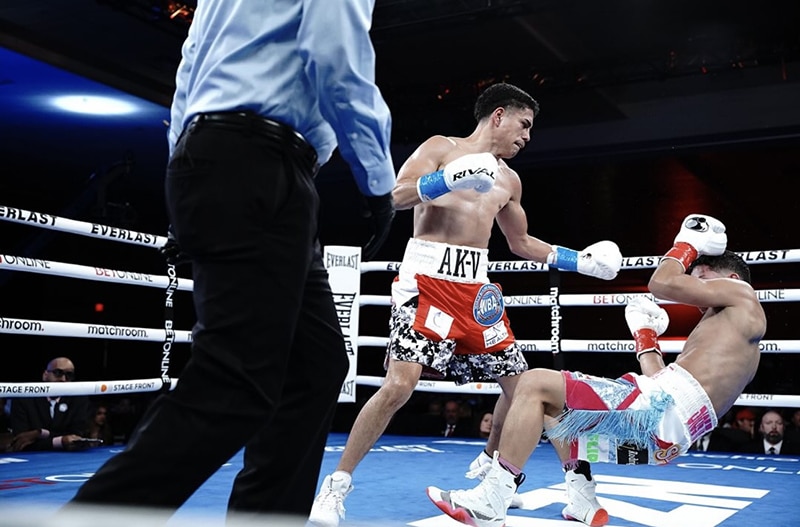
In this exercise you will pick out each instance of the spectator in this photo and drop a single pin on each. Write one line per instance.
(99, 426)
(730, 438)
(452, 423)
(5, 415)
(745, 421)
(484, 427)
(793, 425)
(771, 436)
(426, 423)
(720, 439)
(50, 423)
(125, 414)
(5, 424)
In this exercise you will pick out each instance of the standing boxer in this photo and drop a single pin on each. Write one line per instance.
(447, 318)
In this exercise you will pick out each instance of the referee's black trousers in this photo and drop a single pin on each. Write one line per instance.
(268, 357)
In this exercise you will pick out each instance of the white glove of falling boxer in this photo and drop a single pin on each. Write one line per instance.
(700, 234)
(647, 321)
(600, 260)
(471, 171)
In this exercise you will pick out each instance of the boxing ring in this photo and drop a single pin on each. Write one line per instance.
(719, 489)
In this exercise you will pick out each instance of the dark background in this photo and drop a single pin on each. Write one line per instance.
(650, 111)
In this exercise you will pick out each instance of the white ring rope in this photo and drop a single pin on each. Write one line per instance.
(69, 329)
(668, 345)
(34, 265)
(594, 299)
(59, 389)
(492, 388)
(93, 230)
(22, 326)
(628, 262)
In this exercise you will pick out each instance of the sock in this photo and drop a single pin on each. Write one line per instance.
(509, 467)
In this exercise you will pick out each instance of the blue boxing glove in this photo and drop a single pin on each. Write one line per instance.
(600, 260)
(471, 171)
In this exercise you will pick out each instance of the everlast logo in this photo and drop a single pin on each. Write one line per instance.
(471, 171)
(23, 215)
(124, 234)
(344, 308)
(348, 388)
(457, 266)
(337, 260)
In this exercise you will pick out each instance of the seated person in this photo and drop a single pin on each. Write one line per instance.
(771, 439)
(5, 424)
(50, 423)
(99, 427)
(484, 427)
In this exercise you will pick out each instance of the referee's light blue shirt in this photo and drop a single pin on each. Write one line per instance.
(307, 63)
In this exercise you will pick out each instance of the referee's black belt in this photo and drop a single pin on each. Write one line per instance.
(251, 122)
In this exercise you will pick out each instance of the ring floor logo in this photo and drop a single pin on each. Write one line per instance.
(682, 503)
(695, 490)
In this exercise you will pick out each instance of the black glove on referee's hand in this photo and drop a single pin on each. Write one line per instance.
(379, 210)
(171, 250)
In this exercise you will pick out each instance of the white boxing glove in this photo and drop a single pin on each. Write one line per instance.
(471, 171)
(600, 260)
(700, 234)
(646, 320)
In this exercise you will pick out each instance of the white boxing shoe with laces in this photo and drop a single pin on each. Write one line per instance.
(482, 506)
(478, 469)
(328, 507)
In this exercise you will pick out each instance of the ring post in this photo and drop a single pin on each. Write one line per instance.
(344, 274)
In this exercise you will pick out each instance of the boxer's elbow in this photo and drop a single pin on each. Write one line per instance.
(661, 286)
(665, 279)
(405, 196)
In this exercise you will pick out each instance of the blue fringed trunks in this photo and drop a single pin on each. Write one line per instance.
(634, 419)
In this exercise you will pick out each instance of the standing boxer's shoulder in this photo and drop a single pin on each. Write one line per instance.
(507, 176)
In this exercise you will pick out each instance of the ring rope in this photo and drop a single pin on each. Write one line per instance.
(34, 265)
(668, 345)
(628, 262)
(22, 326)
(594, 299)
(492, 388)
(60, 389)
(36, 327)
(27, 389)
(93, 230)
